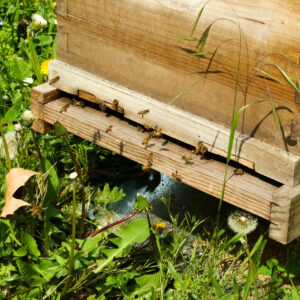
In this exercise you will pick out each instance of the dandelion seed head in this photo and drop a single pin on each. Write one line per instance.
(12, 145)
(38, 22)
(73, 175)
(28, 116)
(242, 222)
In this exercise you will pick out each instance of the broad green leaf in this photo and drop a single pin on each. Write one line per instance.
(135, 232)
(30, 244)
(141, 203)
(109, 196)
(26, 270)
(20, 252)
(34, 60)
(12, 113)
(175, 274)
(227, 297)
(48, 269)
(59, 129)
(90, 244)
(295, 295)
(264, 270)
(19, 69)
(149, 280)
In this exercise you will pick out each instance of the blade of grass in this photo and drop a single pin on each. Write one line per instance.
(182, 93)
(186, 38)
(34, 60)
(198, 19)
(288, 79)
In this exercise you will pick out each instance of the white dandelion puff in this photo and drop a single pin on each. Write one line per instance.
(12, 145)
(38, 22)
(73, 175)
(28, 116)
(242, 222)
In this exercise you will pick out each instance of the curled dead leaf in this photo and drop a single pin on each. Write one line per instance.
(15, 179)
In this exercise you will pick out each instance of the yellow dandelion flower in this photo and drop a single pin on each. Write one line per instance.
(44, 66)
(160, 226)
(53, 5)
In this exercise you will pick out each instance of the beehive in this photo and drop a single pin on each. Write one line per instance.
(133, 52)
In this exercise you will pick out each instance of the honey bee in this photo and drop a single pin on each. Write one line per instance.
(157, 133)
(139, 128)
(115, 104)
(187, 159)
(200, 149)
(143, 112)
(150, 157)
(109, 129)
(64, 108)
(176, 176)
(147, 166)
(238, 171)
(102, 107)
(53, 80)
(78, 103)
(146, 140)
(147, 126)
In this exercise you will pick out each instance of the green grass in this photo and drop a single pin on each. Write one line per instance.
(42, 255)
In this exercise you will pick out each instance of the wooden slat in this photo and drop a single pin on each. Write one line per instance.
(246, 191)
(285, 214)
(266, 159)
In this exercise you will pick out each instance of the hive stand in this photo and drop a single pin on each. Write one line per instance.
(281, 206)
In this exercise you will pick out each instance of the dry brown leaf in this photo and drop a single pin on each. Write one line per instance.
(15, 179)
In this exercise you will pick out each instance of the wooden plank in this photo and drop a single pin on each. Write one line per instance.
(285, 214)
(41, 126)
(266, 158)
(62, 7)
(44, 93)
(150, 60)
(246, 191)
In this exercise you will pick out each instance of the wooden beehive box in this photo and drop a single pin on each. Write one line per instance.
(130, 51)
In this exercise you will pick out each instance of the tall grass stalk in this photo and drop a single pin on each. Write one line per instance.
(5, 146)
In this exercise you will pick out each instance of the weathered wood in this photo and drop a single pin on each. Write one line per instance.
(134, 44)
(41, 126)
(265, 158)
(285, 214)
(246, 191)
(44, 93)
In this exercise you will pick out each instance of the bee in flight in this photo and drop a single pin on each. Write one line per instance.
(53, 80)
(187, 159)
(143, 112)
(238, 171)
(176, 176)
(148, 165)
(109, 129)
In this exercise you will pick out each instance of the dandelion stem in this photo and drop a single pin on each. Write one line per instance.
(71, 261)
(5, 146)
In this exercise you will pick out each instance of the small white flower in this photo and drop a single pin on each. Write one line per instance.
(242, 222)
(28, 81)
(12, 145)
(28, 116)
(18, 126)
(73, 175)
(38, 22)
(5, 97)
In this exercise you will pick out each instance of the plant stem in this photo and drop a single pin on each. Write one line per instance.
(110, 225)
(78, 170)
(71, 261)
(36, 145)
(152, 239)
(5, 146)
(252, 266)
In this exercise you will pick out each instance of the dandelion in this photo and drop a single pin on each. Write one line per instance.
(159, 226)
(12, 145)
(73, 175)
(44, 66)
(28, 116)
(242, 222)
(38, 22)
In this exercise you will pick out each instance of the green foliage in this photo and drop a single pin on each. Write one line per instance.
(107, 195)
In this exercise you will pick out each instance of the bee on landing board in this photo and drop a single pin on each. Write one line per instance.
(139, 128)
(64, 108)
(102, 107)
(143, 112)
(147, 127)
(109, 129)
(176, 176)
(238, 171)
(200, 149)
(187, 159)
(78, 103)
(115, 104)
(146, 140)
(53, 80)
(157, 133)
